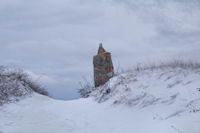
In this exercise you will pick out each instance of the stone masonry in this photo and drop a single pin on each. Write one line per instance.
(103, 67)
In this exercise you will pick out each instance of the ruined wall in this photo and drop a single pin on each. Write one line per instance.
(103, 67)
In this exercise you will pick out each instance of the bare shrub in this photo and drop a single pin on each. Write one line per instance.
(86, 88)
(26, 80)
(15, 84)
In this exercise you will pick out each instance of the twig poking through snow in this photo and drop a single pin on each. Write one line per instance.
(178, 130)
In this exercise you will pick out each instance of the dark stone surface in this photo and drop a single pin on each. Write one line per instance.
(103, 67)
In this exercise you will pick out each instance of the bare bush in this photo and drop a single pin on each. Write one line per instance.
(86, 88)
(15, 84)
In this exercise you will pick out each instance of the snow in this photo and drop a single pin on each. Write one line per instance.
(158, 101)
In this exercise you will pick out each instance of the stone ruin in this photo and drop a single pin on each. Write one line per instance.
(103, 67)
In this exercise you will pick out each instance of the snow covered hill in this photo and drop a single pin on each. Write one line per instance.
(156, 99)
(176, 84)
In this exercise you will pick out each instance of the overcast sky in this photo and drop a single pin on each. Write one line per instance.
(55, 40)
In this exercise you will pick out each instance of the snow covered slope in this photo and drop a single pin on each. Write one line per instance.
(164, 100)
(162, 85)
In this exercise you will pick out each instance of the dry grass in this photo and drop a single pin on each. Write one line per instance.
(167, 65)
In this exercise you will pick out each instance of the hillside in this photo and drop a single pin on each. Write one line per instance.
(153, 99)
(173, 84)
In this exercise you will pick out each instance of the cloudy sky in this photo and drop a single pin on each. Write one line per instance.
(55, 40)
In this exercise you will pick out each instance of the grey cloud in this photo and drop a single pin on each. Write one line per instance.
(57, 39)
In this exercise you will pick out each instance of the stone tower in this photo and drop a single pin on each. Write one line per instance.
(103, 67)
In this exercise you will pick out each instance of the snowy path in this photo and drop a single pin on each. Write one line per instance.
(40, 114)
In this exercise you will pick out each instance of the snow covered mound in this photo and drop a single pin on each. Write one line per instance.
(150, 100)
(15, 85)
(174, 85)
